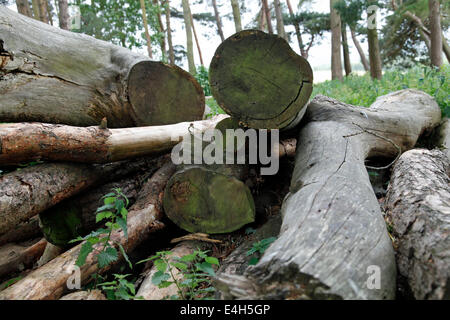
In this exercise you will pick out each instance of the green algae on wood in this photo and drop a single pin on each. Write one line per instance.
(258, 79)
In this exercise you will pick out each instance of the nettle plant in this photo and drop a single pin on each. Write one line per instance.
(258, 249)
(114, 215)
(191, 274)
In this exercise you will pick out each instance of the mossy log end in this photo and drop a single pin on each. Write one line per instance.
(201, 200)
(52, 75)
(258, 79)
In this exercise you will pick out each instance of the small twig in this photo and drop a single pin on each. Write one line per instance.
(399, 149)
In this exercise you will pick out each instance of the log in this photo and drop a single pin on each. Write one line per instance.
(149, 291)
(24, 231)
(24, 142)
(258, 79)
(51, 252)
(443, 137)
(85, 295)
(418, 207)
(16, 257)
(333, 242)
(52, 75)
(49, 281)
(25, 193)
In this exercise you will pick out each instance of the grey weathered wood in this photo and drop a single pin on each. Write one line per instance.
(444, 137)
(52, 75)
(333, 228)
(418, 206)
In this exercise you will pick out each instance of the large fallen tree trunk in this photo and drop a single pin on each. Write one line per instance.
(258, 79)
(51, 75)
(333, 241)
(25, 193)
(418, 207)
(49, 281)
(21, 142)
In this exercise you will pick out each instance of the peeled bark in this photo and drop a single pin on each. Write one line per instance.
(333, 234)
(15, 257)
(25, 193)
(418, 206)
(22, 142)
(269, 88)
(49, 281)
(88, 80)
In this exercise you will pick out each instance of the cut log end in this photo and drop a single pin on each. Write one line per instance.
(270, 84)
(149, 85)
(201, 200)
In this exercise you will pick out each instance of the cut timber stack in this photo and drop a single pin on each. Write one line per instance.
(51, 75)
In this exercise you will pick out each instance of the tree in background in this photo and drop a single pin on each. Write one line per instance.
(23, 7)
(189, 43)
(236, 15)
(436, 33)
(169, 33)
(345, 51)
(63, 14)
(372, 37)
(335, 25)
(267, 15)
(147, 33)
(297, 29)
(218, 20)
(279, 16)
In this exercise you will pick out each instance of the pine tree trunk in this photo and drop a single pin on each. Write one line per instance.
(345, 50)
(362, 55)
(436, 33)
(297, 31)
(336, 63)
(218, 20)
(63, 14)
(162, 41)
(236, 15)
(169, 34)
(43, 12)
(23, 7)
(376, 71)
(280, 23)
(106, 81)
(147, 33)
(268, 16)
(36, 12)
(196, 40)
(189, 43)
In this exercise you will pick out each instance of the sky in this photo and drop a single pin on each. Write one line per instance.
(319, 56)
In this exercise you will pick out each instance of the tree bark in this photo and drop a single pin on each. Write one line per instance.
(24, 231)
(280, 23)
(345, 51)
(35, 6)
(218, 20)
(22, 142)
(49, 281)
(268, 16)
(271, 67)
(51, 252)
(362, 55)
(297, 32)
(189, 43)
(89, 80)
(43, 11)
(374, 52)
(162, 40)
(236, 15)
(417, 205)
(63, 14)
(147, 33)
(436, 33)
(333, 237)
(335, 25)
(25, 193)
(23, 7)
(169, 34)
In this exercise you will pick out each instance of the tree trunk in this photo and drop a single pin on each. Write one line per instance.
(417, 205)
(376, 71)
(189, 43)
(436, 33)
(280, 23)
(49, 281)
(43, 11)
(149, 291)
(86, 85)
(36, 13)
(445, 47)
(25, 193)
(169, 34)
(15, 257)
(336, 63)
(23, 7)
(333, 241)
(268, 16)
(345, 51)
(22, 232)
(297, 31)
(147, 33)
(162, 40)
(362, 55)
(271, 67)
(196, 41)
(22, 142)
(63, 14)
(218, 21)
(236, 15)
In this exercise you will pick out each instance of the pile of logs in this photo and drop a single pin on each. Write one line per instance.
(88, 116)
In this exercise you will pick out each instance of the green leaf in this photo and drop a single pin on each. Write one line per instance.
(253, 261)
(103, 215)
(106, 257)
(105, 207)
(188, 258)
(159, 277)
(109, 200)
(160, 265)
(86, 248)
(165, 284)
(212, 260)
(206, 267)
(123, 225)
(125, 256)
(180, 265)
